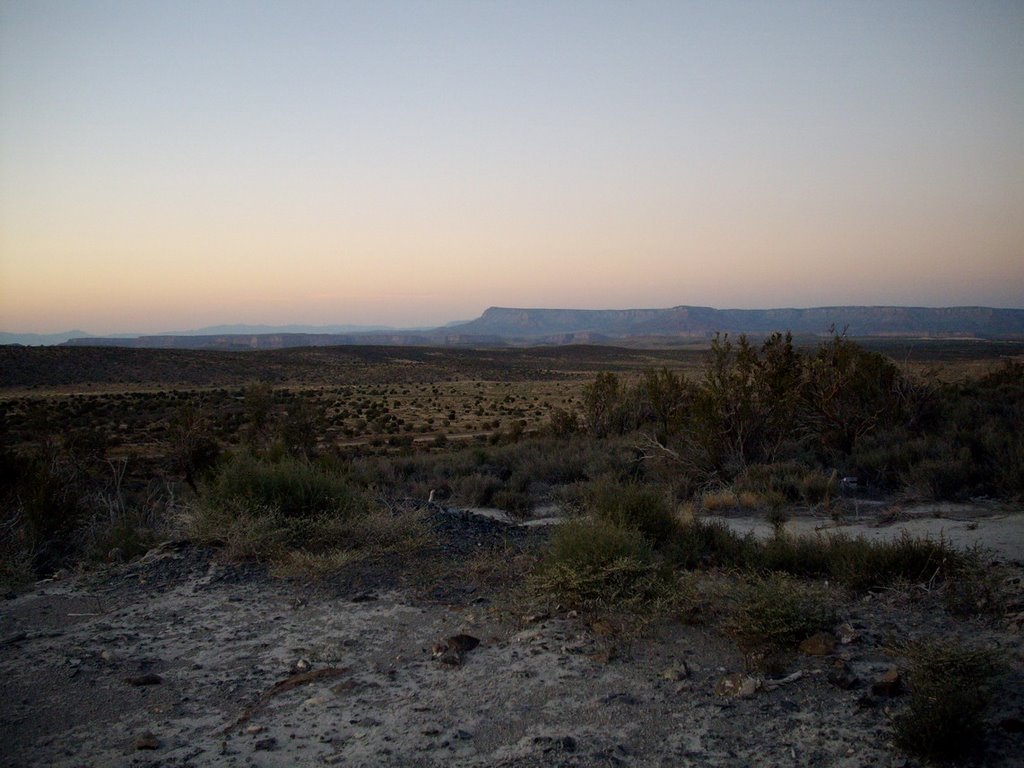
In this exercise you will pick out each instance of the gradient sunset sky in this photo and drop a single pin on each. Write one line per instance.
(168, 165)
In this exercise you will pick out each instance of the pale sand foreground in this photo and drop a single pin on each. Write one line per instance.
(538, 691)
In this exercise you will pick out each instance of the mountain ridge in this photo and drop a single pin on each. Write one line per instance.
(519, 326)
(698, 322)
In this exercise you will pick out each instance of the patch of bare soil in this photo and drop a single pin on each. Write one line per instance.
(181, 660)
(996, 528)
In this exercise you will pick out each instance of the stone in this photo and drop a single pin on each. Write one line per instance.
(604, 656)
(147, 741)
(148, 679)
(867, 702)
(771, 685)
(821, 644)
(676, 673)
(602, 628)
(738, 685)
(265, 745)
(888, 684)
(842, 676)
(847, 634)
(452, 650)
(1012, 724)
(621, 697)
(463, 643)
(445, 655)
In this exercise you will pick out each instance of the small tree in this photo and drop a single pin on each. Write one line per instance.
(259, 406)
(602, 404)
(301, 427)
(850, 393)
(192, 448)
(666, 397)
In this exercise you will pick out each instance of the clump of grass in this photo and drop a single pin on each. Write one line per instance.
(950, 690)
(715, 501)
(773, 614)
(45, 502)
(701, 544)
(864, 565)
(597, 565)
(292, 487)
(121, 537)
(242, 531)
(976, 591)
(295, 564)
(856, 563)
(298, 517)
(642, 508)
(723, 499)
(861, 564)
(16, 555)
(787, 483)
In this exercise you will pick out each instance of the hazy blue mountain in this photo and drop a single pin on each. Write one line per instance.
(252, 341)
(499, 326)
(40, 339)
(245, 329)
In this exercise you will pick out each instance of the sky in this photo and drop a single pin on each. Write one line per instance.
(170, 165)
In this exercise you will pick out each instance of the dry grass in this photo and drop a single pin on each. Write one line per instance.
(717, 501)
(772, 615)
(950, 691)
(725, 499)
(295, 564)
(596, 565)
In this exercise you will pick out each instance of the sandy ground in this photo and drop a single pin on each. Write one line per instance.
(996, 528)
(244, 670)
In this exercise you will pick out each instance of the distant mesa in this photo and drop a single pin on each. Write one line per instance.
(702, 322)
(511, 326)
(40, 339)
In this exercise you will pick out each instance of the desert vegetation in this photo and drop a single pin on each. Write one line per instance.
(318, 468)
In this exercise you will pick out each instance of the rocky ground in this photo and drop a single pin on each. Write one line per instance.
(180, 659)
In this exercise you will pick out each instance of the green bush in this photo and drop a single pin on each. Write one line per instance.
(595, 564)
(863, 565)
(298, 516)
(118, 539)
(773, 614)
(703, 544)
(793, 482)
(950, 691)
(856, 563)
(45, 503)
(292, 488)
(642, 508)
(801, 556)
